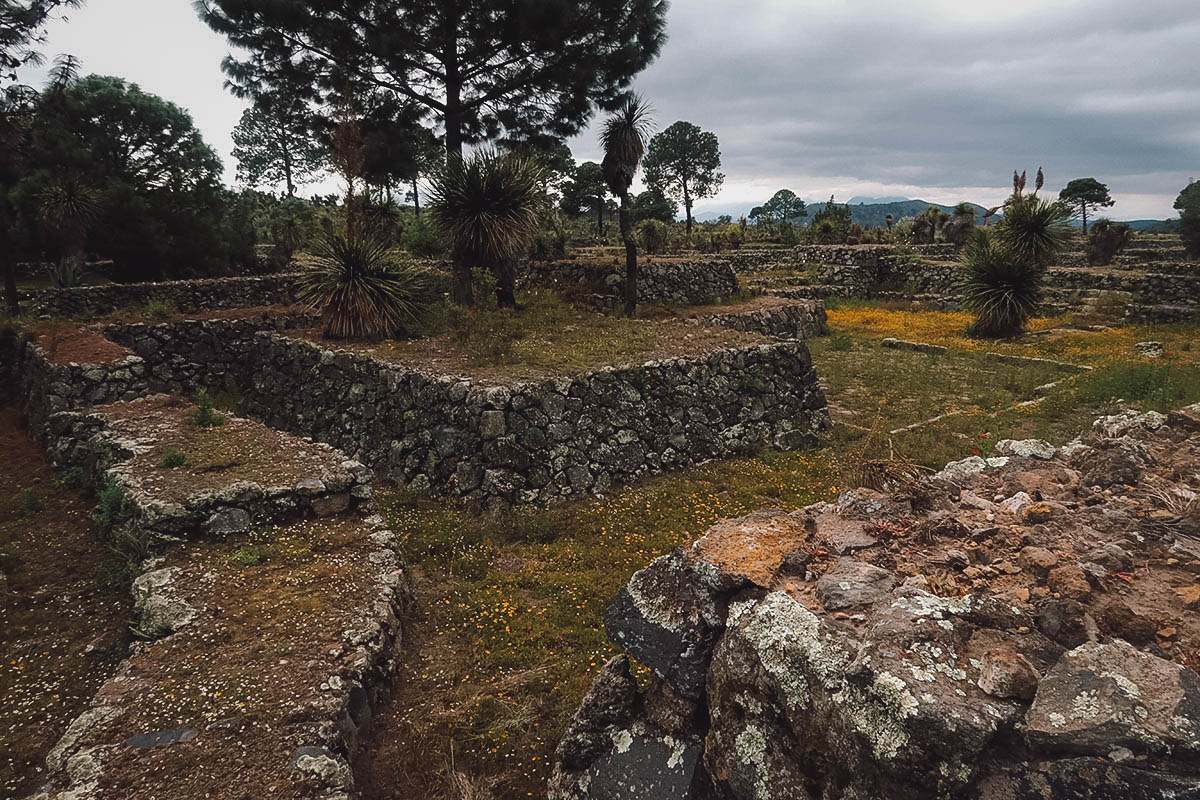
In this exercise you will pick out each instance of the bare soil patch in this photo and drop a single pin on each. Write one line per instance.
(237, 450)
(62, 629)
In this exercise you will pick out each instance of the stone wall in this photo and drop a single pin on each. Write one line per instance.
(659, 282)
(191, 296)
(868, 255)
(803, 319)
(495, 445)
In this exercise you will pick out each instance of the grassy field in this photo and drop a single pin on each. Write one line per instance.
(511, 628)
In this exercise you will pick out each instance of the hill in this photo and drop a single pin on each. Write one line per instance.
(874, 215)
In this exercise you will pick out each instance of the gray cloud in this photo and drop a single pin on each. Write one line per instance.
(938, 99)
(931, 98)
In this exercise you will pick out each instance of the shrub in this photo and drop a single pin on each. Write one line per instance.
(1000, 288)
(172, 458)
(655, 236)
(205, 415)
(421, 239)
(252, 555)
(31, 502)
(160, 310)
(487, 206)
(70, 478)
(359, 286)
(1105, 240)
(548, 246)
(826, 232)
(113, 507)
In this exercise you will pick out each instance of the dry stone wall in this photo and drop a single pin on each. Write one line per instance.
(659, 282)
(190, 296)
(802, 319)
(491, 445)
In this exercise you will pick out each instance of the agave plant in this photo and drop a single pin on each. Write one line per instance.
(359, 286)
(487, 205)
(624, 138)
(1035, 230)
(1000, 287)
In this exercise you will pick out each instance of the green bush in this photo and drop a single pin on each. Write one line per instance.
(173, 458)
(206, 415)
(421, 239)
(252, 555)
(548, 246)
(1105, 240)
(70, 478)
(113, 507)
(31, 502)
(654, 236)
(1000, 288)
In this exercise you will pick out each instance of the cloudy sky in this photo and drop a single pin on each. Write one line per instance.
(930, 99)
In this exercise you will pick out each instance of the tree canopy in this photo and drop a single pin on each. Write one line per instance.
(480, 67)
(586, 191)
(653, 204)
(1188, 206)
(22, 29)
(152, 180)
(274, 143)
(1084, 195)
(683, 163)
(783, 206)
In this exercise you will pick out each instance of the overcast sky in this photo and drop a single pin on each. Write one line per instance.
(930, 99)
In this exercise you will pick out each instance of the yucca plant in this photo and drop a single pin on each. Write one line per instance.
(624, 138)
(66, 209)
(1000, 287)
(1105, 240)
(1035, 230)
(361, 288)
(488, 207)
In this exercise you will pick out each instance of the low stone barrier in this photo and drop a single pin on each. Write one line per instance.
(190, 296)
(495, 445)
(300, 724)
(659, 282)
(803, 319)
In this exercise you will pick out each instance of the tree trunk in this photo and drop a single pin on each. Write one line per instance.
(687, 204)
(462, 294)
(1083, 206)
(454, 109)
(631, 265)
(600, 216)
(506, 279)
(416, 199)
(11, 300)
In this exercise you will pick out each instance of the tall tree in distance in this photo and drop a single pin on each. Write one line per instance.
(1086, 194)
(783, 206)
(1188, 206)
(682, 163)
(398, 150)
(480, 67)
(274, 143)
(587, 189)
(623, 138)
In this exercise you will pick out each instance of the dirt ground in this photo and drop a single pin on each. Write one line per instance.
(62, 628)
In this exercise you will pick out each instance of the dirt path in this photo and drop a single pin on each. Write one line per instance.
(62, 627)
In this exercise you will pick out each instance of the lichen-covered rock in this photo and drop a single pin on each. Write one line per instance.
(160, 612)
(1101, 697)
(1003, 642)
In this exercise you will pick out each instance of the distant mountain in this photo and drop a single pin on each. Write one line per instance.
(871, 201)
(875, 215)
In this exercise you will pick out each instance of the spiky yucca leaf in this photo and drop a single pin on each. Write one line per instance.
(360, 288)
(487, 205)
(1002, 289)
(1035, 230)
(624, 138)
